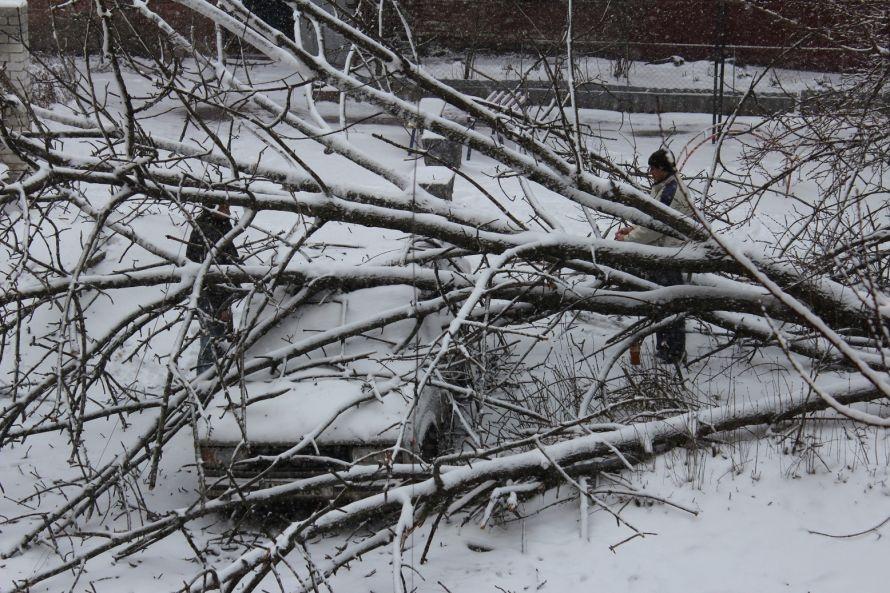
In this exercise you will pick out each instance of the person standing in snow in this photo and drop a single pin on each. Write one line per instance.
(215, 301)
(667, 188)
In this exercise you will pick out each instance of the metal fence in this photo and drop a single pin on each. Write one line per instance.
(673, 83)
(682, 48)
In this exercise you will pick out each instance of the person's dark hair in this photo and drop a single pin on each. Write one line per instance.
(664, 160)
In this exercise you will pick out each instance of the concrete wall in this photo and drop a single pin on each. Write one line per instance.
(634, 99)
(14, 62)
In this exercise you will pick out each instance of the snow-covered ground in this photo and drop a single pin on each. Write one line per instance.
(757, 502)
(764, 521)
(673, 75)
(756, 509)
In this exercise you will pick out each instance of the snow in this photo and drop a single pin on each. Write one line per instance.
(13, 3)
(694, 75)
(303, 404)
(294, 414)
(757, 500)
(751, 535)
(757, 506)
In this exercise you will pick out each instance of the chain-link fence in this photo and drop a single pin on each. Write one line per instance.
(717, 48)
(673, 83)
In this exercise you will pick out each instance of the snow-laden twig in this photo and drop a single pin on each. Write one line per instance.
(583, 510)
(499, 492)
(405, 522)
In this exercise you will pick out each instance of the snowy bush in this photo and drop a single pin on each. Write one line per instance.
(47, 82)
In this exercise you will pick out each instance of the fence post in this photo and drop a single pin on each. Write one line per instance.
(14, 76)
(719, 70)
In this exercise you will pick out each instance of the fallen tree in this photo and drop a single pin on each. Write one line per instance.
(105, 166)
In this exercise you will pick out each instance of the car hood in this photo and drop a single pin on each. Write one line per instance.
(300, 407)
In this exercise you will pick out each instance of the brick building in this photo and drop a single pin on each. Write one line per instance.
(635, 29)
(14, 77)
(646, 29)
(72, 26)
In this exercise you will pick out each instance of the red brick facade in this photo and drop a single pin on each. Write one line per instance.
(637, 29)
(73, 26)
(642, 29)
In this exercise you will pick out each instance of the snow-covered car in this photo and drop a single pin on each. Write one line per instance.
(350, 408)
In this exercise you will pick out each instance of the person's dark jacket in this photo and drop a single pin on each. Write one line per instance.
(209, 228)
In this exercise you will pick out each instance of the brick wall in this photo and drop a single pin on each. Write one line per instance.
(73, 27)
(14, 67)
(642, 29)
(637, 29)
